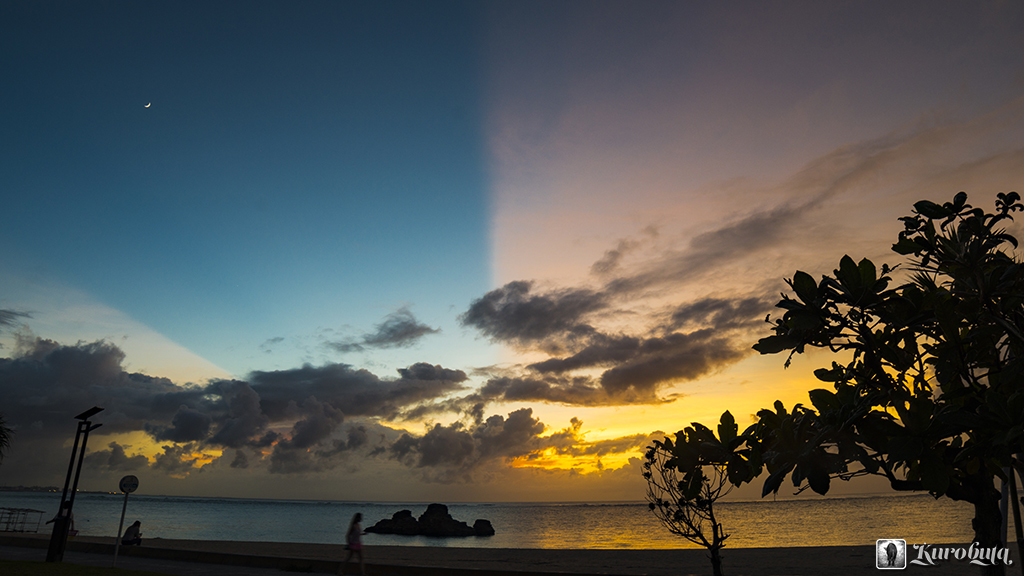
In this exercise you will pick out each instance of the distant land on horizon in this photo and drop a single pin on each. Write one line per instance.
(49, 489)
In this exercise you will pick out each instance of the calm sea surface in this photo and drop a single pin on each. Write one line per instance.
(812, 522)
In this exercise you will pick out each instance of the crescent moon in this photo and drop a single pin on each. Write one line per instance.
(148, 105)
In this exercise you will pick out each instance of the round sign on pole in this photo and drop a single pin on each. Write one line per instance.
(129, 484)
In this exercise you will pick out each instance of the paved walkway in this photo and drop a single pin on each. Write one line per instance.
(173, 567)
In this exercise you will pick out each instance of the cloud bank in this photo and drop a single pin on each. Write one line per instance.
(304, 420)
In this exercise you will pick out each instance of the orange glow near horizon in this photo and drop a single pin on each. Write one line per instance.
(550, 459)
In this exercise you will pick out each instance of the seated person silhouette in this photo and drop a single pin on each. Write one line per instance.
(133, 535)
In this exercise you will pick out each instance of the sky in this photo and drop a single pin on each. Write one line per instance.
(452, 251)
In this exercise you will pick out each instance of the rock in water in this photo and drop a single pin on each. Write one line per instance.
(401, 522)
(483, 527)
(436, 521)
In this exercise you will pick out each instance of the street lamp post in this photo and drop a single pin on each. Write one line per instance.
(62, 522)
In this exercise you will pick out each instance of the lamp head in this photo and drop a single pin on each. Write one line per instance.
(89, 413)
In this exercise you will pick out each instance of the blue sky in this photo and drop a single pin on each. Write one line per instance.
(299, 167)
(479, 250)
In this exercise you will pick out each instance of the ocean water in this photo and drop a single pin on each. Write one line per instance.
(619, 525)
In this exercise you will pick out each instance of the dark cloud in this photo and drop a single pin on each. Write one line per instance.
(239, 413)
(458, 452)
(603, 350)
(357, 437)
(317, 443)
(269, 344)
(448, 446)
(713, 250)
(523, 388)
(637, 373)
(180, 460)
(455, 405)
(680, 342)
(241, 460)
(296, 414)
(188, 425)
(511, 437)
(291, 454)
(431, 373)
(460, 448)
(286, 422)
(10, 318)
(515, 314)
(319, 422)
(576, 391)
(115, 458)
(722, 313)
(404, 449)
(400, 329)
(296, 462)
(635, 367)
(660, 361)
(610, 261)
(47, 384)
(355, 392)
(345, 346)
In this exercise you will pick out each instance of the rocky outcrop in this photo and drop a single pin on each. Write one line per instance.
(483, 528)
(401, 522)
(436, 521)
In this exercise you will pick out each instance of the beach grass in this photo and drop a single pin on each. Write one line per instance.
(36, 568)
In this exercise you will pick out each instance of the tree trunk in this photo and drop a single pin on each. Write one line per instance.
(1015, 503)
(987, 519)
(716, 561)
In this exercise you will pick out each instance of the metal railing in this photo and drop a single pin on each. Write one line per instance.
(20, 519)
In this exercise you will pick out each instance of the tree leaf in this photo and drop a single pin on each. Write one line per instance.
(822, 399)
(848, 274)
(727, 428)
(775, 344)
(931, 210)
(906, 246)
(804, 287)
(819, 481)
(803, 320)
(868, 274)
(828, 375)
(774, 480)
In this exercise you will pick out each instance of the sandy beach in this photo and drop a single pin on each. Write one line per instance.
(831, 560)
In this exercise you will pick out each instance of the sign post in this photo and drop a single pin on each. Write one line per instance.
(128, 485)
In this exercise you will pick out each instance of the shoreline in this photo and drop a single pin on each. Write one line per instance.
(810, 560)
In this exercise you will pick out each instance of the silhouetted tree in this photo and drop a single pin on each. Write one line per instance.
(5, 437)
(684, 480)
(931, 391)
(7, 319)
